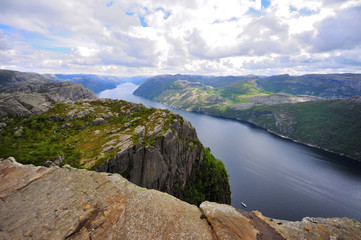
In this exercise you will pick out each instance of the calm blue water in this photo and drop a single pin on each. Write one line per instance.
(280, 178)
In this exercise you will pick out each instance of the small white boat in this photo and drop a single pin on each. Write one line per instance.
(243, 204)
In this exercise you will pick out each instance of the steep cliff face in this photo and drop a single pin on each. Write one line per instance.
(66, 203)
(166, 164)
(152, 148)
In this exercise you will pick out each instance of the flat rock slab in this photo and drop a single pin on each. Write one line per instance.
(64, 203)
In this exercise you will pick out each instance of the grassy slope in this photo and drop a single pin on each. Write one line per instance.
(51, 134)
(333, 124)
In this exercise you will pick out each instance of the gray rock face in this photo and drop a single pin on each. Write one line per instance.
(67, 91)
(21, 104)
(166, 166)
(20, 82)
(37, 98)
(9, 79)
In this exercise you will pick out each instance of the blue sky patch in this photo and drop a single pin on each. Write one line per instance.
(142, 21)
(109, 4)
(265, 3)
(254, 12)
(303, 11)
(293, 9)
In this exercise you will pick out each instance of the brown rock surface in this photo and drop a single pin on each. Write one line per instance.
(227, 223)
(315, 228)
(64, 203)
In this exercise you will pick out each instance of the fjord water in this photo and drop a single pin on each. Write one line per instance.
(280, 178)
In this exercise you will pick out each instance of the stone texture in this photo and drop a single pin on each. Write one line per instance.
(316, 228)
(64, 203)
(23, 94)
(163, 166)
(227, 223)
(98, 121)
(21, 104)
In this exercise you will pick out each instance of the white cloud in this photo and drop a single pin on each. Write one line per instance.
(200, 36)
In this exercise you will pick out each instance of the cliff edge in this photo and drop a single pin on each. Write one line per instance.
(67, 203)
(152, 148)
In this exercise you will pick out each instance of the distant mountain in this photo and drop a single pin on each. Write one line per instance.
(294, 107)
(10, 79)
(23, 94)
(96, 83)
(321, 85)
(193, 95)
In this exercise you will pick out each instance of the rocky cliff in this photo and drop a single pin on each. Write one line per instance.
(151, 147)
(66, 203)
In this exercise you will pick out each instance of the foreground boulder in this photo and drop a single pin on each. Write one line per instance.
(66, 203)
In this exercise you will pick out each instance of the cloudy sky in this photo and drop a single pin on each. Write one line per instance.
(148, 37)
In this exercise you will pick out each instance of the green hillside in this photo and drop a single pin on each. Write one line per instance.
(275, 103)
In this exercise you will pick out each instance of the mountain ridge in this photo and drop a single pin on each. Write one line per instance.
(248, 101)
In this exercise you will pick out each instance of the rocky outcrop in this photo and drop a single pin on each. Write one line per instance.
(166, 164)
(9, 79)
(24, 104)
(21, 82)
(24, 94)
(21, 104)
(65, 203)
(152, 148)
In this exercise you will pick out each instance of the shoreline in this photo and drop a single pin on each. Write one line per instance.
(357, 161)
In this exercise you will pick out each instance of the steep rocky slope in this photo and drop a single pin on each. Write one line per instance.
(65, 203)
(151, 147)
